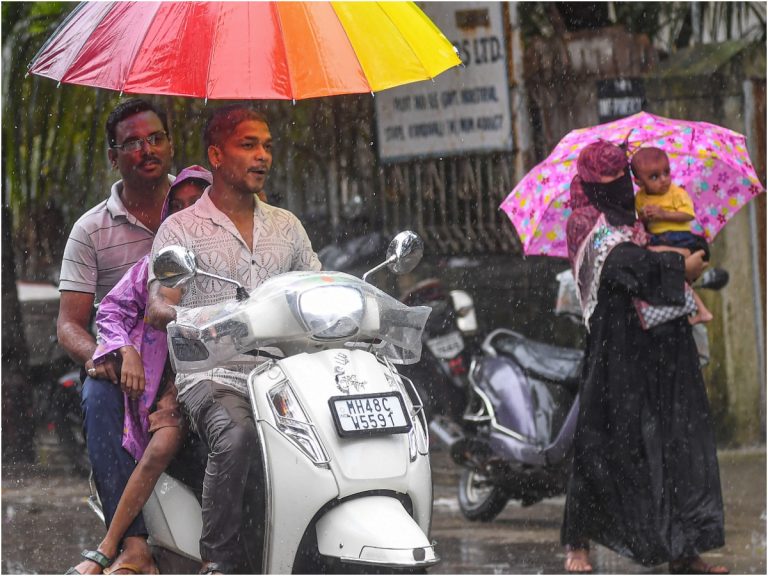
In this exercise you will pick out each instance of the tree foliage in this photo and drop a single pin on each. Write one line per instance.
(49, 136)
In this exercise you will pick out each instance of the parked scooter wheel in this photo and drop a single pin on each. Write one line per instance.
(70, 434)
(66, 416)
(479, 498)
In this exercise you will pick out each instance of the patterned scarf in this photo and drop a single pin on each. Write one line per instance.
(601, 218)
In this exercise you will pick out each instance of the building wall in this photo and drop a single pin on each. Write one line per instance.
(735, 376)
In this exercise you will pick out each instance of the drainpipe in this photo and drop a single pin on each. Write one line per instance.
(749, 121)
(521, 128)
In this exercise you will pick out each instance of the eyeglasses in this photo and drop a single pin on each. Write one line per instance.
(134, 145)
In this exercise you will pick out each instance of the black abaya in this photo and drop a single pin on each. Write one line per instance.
(645, 478)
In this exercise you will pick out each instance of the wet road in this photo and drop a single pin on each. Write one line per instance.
(46, 523)
(526, 540)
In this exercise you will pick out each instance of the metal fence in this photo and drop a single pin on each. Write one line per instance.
(452, 203)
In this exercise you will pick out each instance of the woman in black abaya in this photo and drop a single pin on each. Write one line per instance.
(645, 480)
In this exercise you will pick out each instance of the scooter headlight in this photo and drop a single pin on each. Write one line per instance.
(293, 422)
(332, 312)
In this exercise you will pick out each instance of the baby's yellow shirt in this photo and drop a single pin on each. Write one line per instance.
(675, 199)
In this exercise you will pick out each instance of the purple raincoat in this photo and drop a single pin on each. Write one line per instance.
(120, 322)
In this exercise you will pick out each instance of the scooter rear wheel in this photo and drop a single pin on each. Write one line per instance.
(479, 498)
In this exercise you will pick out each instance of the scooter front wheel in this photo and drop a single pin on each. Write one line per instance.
(479, 498)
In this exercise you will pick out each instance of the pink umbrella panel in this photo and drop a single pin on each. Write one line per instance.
(710, 162)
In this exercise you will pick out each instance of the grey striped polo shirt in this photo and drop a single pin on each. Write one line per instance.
(104, 243)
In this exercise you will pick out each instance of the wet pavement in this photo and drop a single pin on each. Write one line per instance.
(526, 540)
(46, 523)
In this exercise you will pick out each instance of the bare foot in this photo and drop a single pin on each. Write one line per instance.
(696, 565)
(577, 561)
(700, 318)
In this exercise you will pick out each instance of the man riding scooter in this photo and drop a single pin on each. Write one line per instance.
(239, 237)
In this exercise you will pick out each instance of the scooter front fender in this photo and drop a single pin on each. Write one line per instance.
(374, 530)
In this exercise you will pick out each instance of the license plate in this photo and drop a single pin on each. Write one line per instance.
(447, 346)
(367, 414)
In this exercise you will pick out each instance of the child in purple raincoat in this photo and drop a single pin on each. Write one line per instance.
(134, 354)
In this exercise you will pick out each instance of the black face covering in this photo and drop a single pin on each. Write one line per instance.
(615, 199)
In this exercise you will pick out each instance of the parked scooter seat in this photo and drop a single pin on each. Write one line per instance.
(552, 363)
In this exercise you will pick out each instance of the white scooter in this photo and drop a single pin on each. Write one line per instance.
(347, 479)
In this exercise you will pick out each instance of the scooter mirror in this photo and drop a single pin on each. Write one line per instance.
(464, 306)
(174, 266)
(405, 252)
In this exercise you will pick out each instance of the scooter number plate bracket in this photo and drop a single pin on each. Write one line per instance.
(447, 346)
(369, 414)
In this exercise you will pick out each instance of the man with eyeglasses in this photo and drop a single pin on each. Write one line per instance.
(104, 243)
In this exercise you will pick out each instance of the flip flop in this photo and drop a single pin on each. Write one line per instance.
(131, 568)
(94, 556)
(211, 568)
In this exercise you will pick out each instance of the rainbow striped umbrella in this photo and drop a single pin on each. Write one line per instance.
(245, 50)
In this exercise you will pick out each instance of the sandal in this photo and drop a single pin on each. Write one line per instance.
(130, 568)
(211, 568)
(695, 566)
(94, 556)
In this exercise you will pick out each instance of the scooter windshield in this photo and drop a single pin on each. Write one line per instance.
(298, 312)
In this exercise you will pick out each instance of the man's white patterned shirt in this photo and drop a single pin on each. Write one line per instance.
(280, 244)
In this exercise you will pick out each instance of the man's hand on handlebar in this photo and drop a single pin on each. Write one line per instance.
(160, 311)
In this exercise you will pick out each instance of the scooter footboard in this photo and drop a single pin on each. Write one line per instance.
(374, 530)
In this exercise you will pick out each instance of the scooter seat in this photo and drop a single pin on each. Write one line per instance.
(545, 361)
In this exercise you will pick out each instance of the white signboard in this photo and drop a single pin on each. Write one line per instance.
(464, 109)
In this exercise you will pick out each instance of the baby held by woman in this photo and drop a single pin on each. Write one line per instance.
(667, 212)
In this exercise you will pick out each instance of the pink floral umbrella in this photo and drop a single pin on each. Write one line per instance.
(709, 161)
